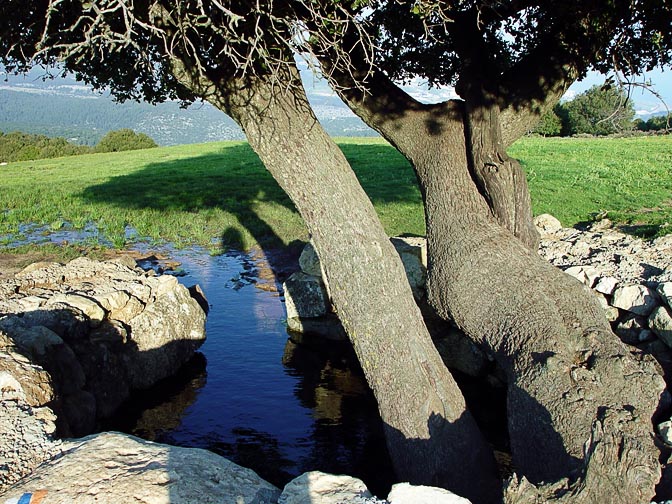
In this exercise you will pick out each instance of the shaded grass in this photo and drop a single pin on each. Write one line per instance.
(219, 195)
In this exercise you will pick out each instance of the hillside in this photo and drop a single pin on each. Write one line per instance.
(64, 107)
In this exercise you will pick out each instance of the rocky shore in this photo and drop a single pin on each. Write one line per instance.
(75, 340)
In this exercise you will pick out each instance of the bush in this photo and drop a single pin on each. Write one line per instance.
(601, 110)
(549, 125)
(655, 123)
(17, 146)
(124, 140)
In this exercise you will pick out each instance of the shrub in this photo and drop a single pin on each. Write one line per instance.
(17, 146)
(549, 125)
(124, 140)
(601, 110)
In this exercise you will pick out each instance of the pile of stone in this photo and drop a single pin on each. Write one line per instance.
(631, 278)
(75, 340)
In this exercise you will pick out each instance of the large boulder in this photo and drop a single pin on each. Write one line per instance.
(113, 468)
(97, 330)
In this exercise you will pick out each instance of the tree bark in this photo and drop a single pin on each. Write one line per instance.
(499, 178)
(431, 437)
(579, 401)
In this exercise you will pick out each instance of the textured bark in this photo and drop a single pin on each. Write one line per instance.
(579, 401)
(499, 178)
(431, 436)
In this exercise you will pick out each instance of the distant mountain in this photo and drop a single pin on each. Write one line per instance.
(67, 108)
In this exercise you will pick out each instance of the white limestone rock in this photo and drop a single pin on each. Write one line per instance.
(665, 291)
(660, 322)
(112, 467)
(405, 493)
(547, 224)
(637, 299)
(606, 285)
(587, 275)
(316, 487)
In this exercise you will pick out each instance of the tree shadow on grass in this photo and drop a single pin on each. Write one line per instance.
(234, 181)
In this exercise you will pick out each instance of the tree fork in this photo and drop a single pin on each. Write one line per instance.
(499, 178)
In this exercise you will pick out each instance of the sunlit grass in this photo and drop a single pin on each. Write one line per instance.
(628, 180)
(219, 195)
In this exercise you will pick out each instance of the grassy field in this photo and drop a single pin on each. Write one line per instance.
(219, 195)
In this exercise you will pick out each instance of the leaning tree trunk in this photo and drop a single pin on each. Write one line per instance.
(570, 379)
(431, 437)
(579, 401)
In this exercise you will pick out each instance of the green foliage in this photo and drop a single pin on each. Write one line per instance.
(124, 140)
(601, 110)
(17, 146)
(655, 123)
(549, 125)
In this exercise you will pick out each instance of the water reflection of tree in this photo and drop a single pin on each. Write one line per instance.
(348, 432)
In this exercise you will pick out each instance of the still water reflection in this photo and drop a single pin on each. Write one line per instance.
(258, 398)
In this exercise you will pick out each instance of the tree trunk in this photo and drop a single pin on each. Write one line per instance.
(431, 436)
(579, 401)
(500, 179)
(567, 372)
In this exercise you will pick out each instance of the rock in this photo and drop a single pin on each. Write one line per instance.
(309, 262)
(305, 296)
(35, 386)
(405, 493)
(547, 224)
(612, 313)
(113, 467)
(606, 285)
(328, 327)
(665, 431)
(89, 332)
(165, 335)
(637, 299)
(413, 254)
(665, 291)
(322, 488)
(630, 328)
(660, 322)
(584, 274)
(92, 310)
(26, 441)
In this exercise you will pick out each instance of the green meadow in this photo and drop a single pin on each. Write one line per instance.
(218, 195)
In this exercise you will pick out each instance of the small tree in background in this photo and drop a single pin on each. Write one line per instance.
(655, 123)
(601, 110)
(549, 124)
(124, 140)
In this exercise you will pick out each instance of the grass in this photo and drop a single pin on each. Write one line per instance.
(628, 180)
(219, 195)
